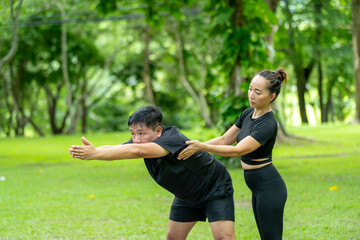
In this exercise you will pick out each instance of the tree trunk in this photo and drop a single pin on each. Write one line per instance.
(282, 134)
(73, 113)
(146, 68)
(238, 20)
(302, 73)
(324, 117)
(7, 126)
(236, 80)
(64, 56)
(88, 89)
(18, 90)
(328, 106)
(301, 90)
(269, 38)
(355, 10)
(197, 96)
(318, 4)
(19, 110)
(83, 109)
(12, 51)
(15, 34)
(51, 107)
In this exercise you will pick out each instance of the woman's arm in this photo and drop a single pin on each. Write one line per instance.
(228, 138)
(245, 146)
(118, 152)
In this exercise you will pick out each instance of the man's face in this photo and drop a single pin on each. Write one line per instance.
(142, 134)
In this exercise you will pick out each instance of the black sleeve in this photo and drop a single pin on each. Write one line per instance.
(240, 120)
(172, 140)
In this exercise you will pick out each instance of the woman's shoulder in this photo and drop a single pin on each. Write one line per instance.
(268, 120)
(244, 114)
(247, 112)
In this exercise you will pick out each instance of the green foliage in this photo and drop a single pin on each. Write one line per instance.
(230, 110)
(107, 6)
(42, 48)
(242, 33)
(241, 29)
(130, 73)
(46, 194)
(331, 26)
(38, 68)
(106, 44)
(109, 116)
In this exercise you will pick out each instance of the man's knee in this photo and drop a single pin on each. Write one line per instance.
(179, 230)
(225, 236)
(172, 236)
(223, 230)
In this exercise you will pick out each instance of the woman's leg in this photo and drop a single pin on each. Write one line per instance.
(270, 203)
(269, 197)
(255, 212)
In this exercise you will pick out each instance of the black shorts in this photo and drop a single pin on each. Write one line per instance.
(214, 210)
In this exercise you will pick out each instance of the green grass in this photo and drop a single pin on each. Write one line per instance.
(49, 195)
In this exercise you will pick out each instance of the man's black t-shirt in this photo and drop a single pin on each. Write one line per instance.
(196, 180)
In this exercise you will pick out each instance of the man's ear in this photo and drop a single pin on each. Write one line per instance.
(158, 131)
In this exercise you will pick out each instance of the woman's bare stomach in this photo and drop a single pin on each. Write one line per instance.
(246, 166)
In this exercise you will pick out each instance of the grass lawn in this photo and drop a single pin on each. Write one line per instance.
(45, 194)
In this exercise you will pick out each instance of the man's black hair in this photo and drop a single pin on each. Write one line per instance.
(150, 116)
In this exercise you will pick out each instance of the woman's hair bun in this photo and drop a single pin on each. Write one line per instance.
(282, 74)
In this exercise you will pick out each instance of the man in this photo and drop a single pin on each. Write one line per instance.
(202, 186)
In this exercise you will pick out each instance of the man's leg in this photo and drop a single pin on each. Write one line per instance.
(223, 230)
(179, 230)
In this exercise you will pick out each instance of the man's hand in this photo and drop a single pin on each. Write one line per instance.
(194, 146)
(84, 152)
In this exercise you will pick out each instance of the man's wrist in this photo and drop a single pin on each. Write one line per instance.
(204, 147)
(96, 154)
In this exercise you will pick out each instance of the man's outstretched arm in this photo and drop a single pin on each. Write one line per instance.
(118, 152)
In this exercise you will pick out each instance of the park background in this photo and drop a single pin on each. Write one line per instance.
(80, 68)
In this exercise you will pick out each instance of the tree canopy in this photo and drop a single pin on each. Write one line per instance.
(71, 66)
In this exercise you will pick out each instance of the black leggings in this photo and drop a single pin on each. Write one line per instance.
(268, 200)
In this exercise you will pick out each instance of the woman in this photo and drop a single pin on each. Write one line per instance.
(255, 133)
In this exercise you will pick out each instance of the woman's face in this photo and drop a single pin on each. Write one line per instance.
(258, 94)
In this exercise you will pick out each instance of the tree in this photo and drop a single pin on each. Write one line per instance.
(282, 134)
(8, 84)
(196, 91)
(146, 67)
(318, 5)
(15, 33)
(40, 61)
(64, 67)
(302, 70)
(355, 9)
(240, 26)
(154, 14)
(151, 10)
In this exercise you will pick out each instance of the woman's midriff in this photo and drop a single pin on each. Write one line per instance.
(246, 166)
